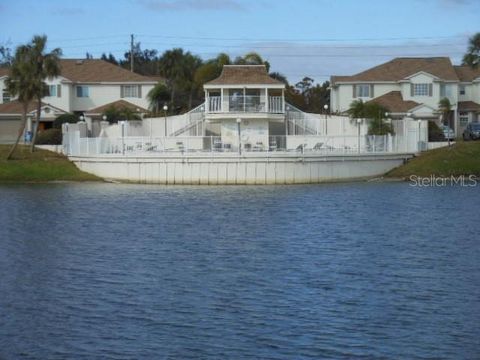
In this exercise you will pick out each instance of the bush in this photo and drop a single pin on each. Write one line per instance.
(434, 132)
(65, 118)
(49, 137)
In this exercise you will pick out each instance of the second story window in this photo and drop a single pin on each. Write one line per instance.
(52, 90)
(363, 90)
(421, 89)
(82, 91)
(133, 91)
(461, 89)
(5, 96)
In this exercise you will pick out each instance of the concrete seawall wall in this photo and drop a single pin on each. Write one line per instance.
(240, 170)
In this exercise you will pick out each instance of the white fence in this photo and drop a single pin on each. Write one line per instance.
(147, 146)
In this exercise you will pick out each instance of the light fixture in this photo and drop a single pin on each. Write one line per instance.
(104, 117)
(82, 118)
(359, 121)
(325, 107)
(165, 107)
(239, 120)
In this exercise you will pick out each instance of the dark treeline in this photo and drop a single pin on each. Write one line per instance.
(185, 74)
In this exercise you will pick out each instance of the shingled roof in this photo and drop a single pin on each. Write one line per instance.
(119, 104)
(468, 106)
(244, 75)
(466, 73)
(394, 102)
(401, 68)
(94, 71)
(15, 107)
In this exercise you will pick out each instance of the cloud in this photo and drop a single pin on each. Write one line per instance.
(68, 11)
(182, 5)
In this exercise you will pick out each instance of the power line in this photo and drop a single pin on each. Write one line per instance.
(303, 39)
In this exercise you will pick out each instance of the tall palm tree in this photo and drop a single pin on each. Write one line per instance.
(191, 63)
(171, 66)
(444, 107)
(46, 65)
(472, 57)
(19, 84)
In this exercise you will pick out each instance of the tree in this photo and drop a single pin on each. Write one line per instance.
(110, 58)
(252, 58)
(46, 65)
(157, 96)
(19, 84)
(375, 113)
(445, 108)
(191, 63)
(6, 57)
(472, 57)
(280, 77)
(171, 66)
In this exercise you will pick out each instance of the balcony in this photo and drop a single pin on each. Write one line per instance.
(245, 104)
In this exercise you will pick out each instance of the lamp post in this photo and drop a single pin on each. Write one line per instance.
(165, 109)
(325, 107)
(359, 121)
(239, 137)
(104, 117)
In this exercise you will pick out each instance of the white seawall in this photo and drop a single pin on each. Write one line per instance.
(241, 170)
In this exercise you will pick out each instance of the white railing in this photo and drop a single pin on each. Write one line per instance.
(311, 144)
(248, 103)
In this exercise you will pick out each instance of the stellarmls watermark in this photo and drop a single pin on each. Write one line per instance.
(436, 181)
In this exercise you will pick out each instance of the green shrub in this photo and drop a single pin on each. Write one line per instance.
(49, 137)
(434, 132)
(65, 118)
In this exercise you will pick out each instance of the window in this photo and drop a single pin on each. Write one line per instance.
(363, 90)
(133, 91)
(5, 96)
(461, 89)
(82, 91)
(463, 117)
(52, 90)
(421, 89)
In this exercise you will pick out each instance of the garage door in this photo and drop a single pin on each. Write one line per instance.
(9, 130)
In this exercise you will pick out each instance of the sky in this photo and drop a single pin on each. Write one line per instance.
(315, 38)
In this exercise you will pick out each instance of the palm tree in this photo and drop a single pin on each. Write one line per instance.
(375, 113)
(357, 110)
(19, 84)
(444, 107)
(472, 57)
(46, 65)
(158, 95)
(191, 64)
(171, 66)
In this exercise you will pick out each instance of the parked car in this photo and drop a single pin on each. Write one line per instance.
(472, 132)
(448, 132)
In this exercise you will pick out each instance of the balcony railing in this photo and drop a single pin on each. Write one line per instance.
(245, 104)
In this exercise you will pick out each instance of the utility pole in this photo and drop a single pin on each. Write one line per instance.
(131, 52)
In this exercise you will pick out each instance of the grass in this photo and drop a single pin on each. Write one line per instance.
(40, 166)
(463, 158)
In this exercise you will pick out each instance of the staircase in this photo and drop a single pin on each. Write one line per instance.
(298, 122)
(195, 123)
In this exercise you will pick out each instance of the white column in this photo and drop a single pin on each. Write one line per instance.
(207, 102)
(283, 99)
(266, 101)
(221, 100)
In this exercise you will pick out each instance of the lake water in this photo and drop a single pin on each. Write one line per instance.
(354, 271)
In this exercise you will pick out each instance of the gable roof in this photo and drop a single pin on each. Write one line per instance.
(15, 107)
(394, 102)
(468, 106)
(244, 74)
(400, 68)
(466, 73)
(97, 70)
(119, 104)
